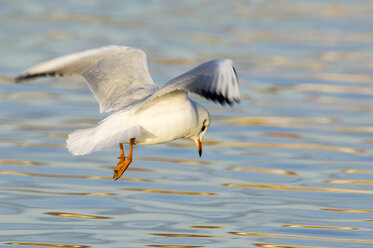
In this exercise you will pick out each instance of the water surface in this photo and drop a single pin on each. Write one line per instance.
(290, 166)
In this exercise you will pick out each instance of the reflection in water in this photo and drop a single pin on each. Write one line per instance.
(344, 77)
(322, 227)
(350, 181)
(273, 121)
(334, 89)
(29, 127)
(20, 162)
(47, 245)
(287, 246)
(18, 173)
(259, 170)
(30, 95)
(180, 235)
(178, 161)
(159, 191)
(176, 246)
(206, 227)
(305, 237)
(348, 210)
(57, 193)
(82, 216)
(42, 145)
(284, 187)
(284, 135)
(274, 145)
(57, 135)
(137, 169)
(358, 171)
(304, 126)
(298, 123)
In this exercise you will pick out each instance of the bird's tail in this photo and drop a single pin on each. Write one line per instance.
(85, 141)
(80, 142)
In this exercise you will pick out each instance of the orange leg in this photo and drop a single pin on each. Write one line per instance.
(121, 157)
(124, 162)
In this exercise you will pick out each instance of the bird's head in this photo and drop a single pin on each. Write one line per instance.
(203, 125)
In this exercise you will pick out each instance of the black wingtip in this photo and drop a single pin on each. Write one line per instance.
(235, 72)
(218, 98)
(25, 77)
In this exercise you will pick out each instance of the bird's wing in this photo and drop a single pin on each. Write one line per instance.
(118, 76)
(214, 80)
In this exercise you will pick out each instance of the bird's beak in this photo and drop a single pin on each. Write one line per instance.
(199, 146)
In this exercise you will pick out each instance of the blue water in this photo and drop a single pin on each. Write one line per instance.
(290, 166)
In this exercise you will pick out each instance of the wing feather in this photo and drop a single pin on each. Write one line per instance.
(116, 75)
(214, 80)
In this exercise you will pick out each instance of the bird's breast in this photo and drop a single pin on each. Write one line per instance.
(171, 117)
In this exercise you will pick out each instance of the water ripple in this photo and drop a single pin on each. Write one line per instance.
(81, 216)
(174, 192)
(293, 188)
(47, 244)
(19, 173)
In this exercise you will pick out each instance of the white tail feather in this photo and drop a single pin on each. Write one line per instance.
(85, 141)
(78, 142)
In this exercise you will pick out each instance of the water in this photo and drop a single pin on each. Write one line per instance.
(291, 166)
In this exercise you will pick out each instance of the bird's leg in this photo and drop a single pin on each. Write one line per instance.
(124, 162)
(121, 157)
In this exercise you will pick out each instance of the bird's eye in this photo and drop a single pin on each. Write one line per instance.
(203, 128)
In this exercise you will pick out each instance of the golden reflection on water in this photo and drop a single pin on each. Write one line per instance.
(305, 237)
(206, 227)
(347, 210)
(260, 170)
(328, 88)
(180, 235)
(283, 187)
(84, 121)
(273, 145)
(82, 216)
(20, 162)
(29, 127)
(133, 168)
(358, 171)
(30, 95)
(284, 135)
(42, 145)
(176, 246)
(287, 246)
(57, 135)
(243, 121)
(57, 193)
(350, 181)
(47, 244)
(322, 227)
(301, 123)
(174, 192)
(344, 77)
(178, 161)
(19, 173)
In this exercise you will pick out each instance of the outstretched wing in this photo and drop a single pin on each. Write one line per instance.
(117, 75)
(215, 80)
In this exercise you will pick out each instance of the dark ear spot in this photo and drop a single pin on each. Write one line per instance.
(203, 126)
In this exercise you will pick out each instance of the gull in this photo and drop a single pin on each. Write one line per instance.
(144, 113)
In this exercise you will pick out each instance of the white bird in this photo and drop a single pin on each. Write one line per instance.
(145, 114)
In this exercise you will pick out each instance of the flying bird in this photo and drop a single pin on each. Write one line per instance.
(145, 113)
